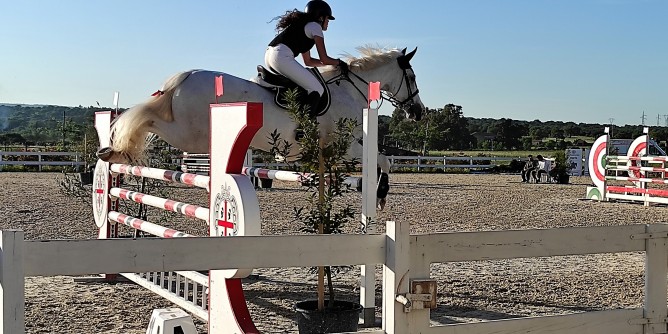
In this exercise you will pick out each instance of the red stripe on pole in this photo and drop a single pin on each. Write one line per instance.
(123, 194)
(190, 210)
(189, 178)
(263, 173)
(169, 205)
(658, 192)
(597, 155)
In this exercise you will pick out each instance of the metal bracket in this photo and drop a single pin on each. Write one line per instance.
(656, 235)
(647, 321)
(409, 301)
(422, 295)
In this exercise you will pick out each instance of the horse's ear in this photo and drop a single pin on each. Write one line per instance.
(403, 52)
(411, 54)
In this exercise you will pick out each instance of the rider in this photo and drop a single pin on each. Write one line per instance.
(298, 33)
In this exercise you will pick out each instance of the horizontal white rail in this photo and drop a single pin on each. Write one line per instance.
(201, 163)
(19, 153)
(39, 162)
(42, 163)
(45, 258)
(493, 245)
(608, 322)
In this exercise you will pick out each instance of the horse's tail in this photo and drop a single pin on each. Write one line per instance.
(130, 132)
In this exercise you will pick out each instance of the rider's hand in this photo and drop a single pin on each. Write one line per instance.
(343, 67)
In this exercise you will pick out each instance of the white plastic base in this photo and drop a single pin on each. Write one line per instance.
(171, 321)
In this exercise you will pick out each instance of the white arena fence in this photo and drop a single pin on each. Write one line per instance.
(405, 259)
(41, 159)
(199, 163)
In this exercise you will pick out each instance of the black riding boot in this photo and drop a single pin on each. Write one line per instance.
(313, 103)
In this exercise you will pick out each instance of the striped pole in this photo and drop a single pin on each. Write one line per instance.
(636, 179)
(189, 210)
(634, 190)
(201, 181)
(639, 168)
(148, 227)
(625, 159)
(276, 174)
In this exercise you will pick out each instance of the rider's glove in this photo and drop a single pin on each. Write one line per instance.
(343, 67)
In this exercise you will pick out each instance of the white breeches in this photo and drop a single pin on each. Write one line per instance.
(279, 58)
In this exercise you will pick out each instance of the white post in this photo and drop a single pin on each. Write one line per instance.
(369, 179)
(656, 269)
(39, 158)
(248, 161)
(645, 185)
(604, 192)
(396, 277)
(234, 210)
(12, 282)
(1, 162)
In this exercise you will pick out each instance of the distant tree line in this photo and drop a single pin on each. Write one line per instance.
(448, 129)
(46, 125)
(440, 129)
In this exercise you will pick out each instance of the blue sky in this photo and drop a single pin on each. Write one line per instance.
(568, 60)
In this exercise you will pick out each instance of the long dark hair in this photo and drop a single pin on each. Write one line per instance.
(290, 17)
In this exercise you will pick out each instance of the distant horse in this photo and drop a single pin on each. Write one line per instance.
(179, 113)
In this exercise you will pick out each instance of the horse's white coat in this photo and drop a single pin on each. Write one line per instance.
(192, 93)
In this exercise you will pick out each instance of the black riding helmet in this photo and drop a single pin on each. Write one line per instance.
(318, 9)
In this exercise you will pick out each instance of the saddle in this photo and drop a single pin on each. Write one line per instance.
(280, 84)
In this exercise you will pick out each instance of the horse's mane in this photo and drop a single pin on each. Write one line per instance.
(370, 57)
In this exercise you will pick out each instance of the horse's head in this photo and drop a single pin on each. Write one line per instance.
(403, 90)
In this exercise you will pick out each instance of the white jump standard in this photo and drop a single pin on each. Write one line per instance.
(218, 297)
(600, 163)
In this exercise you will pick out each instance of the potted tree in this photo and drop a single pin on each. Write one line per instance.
(323, 214)
(561, 170)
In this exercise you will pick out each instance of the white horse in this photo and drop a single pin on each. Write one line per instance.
(179, 113)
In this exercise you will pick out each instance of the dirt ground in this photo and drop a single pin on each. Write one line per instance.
(467, 291)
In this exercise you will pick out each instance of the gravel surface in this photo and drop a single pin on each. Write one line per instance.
(468, 291)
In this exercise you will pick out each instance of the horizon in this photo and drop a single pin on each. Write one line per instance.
(465, 116)
(585, 62)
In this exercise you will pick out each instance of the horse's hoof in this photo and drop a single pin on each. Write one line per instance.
(380, 204)
(104, 153)
(383, 185)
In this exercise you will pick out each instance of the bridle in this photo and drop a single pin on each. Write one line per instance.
(404, 104)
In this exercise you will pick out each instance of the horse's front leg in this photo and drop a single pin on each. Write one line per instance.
(383, 186)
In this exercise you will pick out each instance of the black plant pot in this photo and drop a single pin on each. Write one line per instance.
(86, 178)
(343, 317)
(564, 178)
(266, 183)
